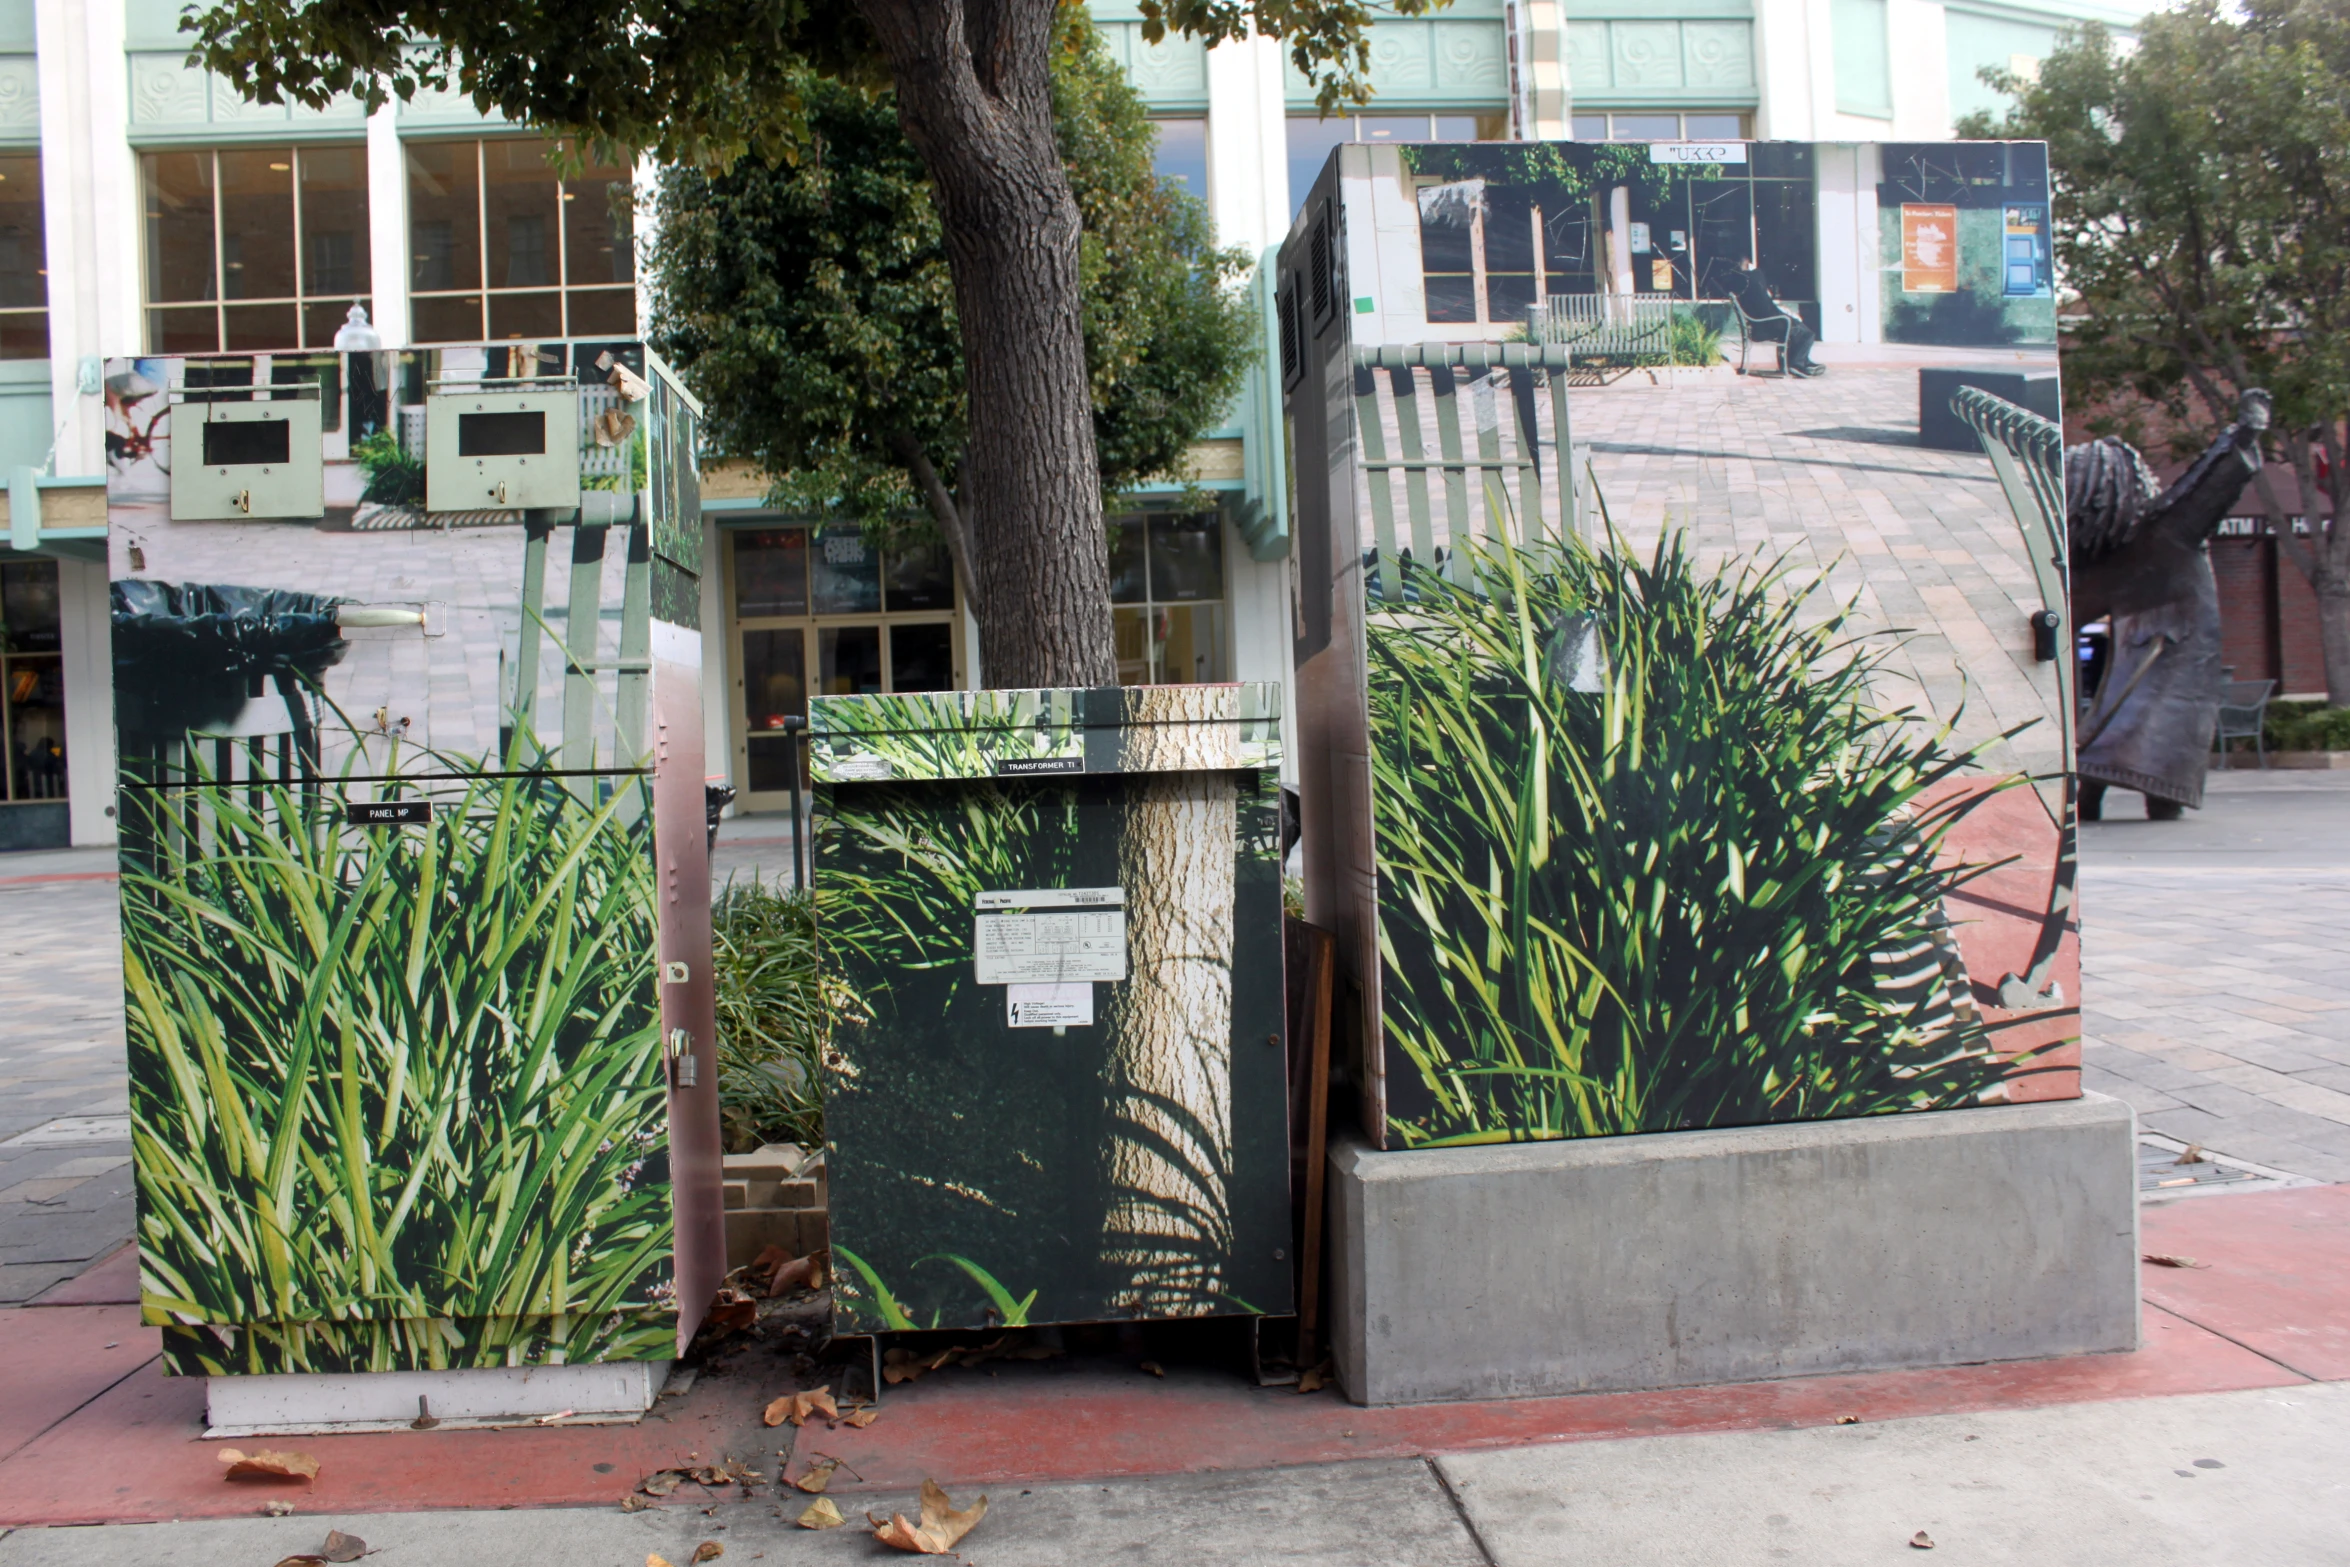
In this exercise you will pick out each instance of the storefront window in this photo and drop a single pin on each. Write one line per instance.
(502, 247)
(32, 690)
(1167, 597)
(1660, 125)
(253, 247)
(24, 259)
(820, 610)
(1311, 138)
(1182, 155)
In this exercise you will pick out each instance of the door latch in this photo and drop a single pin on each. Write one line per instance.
(501, 492)
(684, 1067)
(244, 502)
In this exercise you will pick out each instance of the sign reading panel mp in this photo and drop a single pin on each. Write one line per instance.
(1052, 936)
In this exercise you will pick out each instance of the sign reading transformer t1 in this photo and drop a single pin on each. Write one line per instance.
(1056, 1092)
(414, 883)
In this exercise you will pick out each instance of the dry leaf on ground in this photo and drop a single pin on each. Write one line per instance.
(341, 1547)
(941, 1526)
(708, 1551)
(798, 1274)
(301, 1561)
(633, 1503)
(269, 1464)
(1848, 1420)
(1154, 1368)
(660, 1482)
(819, 1476)
(656, 1559)
(278, 1509)
(797, 1407)
(2193, 1155)
(1314, 1378)
(2164, 1259)
(821, 1514)
(1920, 1541)
(861, 1418)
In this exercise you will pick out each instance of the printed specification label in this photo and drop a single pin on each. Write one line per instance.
(1048, 1006)
(1057, 936)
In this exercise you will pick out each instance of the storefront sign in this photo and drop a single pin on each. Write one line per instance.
(1929, 249)
(1697, 152)
(1050, 937)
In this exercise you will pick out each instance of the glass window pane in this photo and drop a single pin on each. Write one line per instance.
(24, 334)
(1589, 127)
(179, 225)
(1785, 234)
(519, 215)
(334, 222)
(28, 606)
(1713, 127)
(922, 657)
(257, 223)
(1647, 127)
(1509, 231)
(775, 683)
(1187, 557)
(1310, 141)
(1183, 154)
(771, 572)
(599, 226)
(24, 256)
(448, 319)
(1725, 233)
(601, 312)
(320, 322)
(844, 576)
(444, 216)
(1452, 299)
(1448, 217)
(848, 660)
(1391, 127)
(1568, 255)
(1508, 296)
(922, 577)
(1130, 634)
(1128, 582)
(1190, 638)
(35, 694)
(1782, 160)
(526, 315)
(260, 327)
(186, 331)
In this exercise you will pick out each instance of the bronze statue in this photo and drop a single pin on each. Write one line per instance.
(2143, 562)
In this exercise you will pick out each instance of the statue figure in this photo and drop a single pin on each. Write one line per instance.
(2143, 562)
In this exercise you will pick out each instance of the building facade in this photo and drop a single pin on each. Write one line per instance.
(145, 209)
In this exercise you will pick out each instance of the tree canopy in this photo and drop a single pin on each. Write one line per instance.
(810, 302)
(2202, 226)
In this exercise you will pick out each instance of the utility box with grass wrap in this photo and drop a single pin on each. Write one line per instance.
(415, 898)
(1676, 755)
(1055, 1089)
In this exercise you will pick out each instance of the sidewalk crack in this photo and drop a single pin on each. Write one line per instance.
(1460, 1510)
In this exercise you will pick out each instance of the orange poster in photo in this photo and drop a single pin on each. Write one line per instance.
(1929, 249)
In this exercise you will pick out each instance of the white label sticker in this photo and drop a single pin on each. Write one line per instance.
(1048, 1006)
(1052, 936)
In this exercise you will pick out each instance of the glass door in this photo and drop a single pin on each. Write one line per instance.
(32, 708)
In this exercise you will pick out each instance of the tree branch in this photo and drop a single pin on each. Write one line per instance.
(943, 510)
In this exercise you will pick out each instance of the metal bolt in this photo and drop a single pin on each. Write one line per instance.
(1279, 1255)
(1272, 1039)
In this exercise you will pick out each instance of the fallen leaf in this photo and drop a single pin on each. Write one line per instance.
(341, 1547)
(2163, 1259)
(1314, 1378)
(1154, 1368)
(660, 1482)
(799, 1273)
(941, 1526)
(1848, 1420)
(633, 1503)
(1920, 1541)
(2193, 1155)
(797, 1407)
(818, 1476)
(269, 1464)
(821, 1514)
(708, 1551)
(278, 1509)
(656, 1559)
(861, 1418)
(301, 1561)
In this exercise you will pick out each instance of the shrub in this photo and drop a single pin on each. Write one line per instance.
(2306, 726)
(774, 1009)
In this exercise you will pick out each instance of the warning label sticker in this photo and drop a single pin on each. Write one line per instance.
(1048, 1006)
(1051, 936)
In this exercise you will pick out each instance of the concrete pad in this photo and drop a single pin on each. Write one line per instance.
(2278, 1276)
(1739, 1254)
(2221, 1480)
(58, 1361)
(1346, 1515)
(113, 1280)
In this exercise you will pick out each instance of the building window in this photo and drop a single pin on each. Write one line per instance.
(1662, 125)
(501, 247)
(1863, 58)
(32, 690)
(1311, 138)
(1182, 155)
(820, 608)
(24, 259)
(253, 248)
(1167, 597)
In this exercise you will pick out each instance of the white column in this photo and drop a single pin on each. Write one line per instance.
(1248, 148)
(644, 226)
(1793, 67)
(91, 208)
(1918, 41)
(1841, 260)
(387, 229)
(89, 702)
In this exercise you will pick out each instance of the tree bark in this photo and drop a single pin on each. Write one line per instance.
(974, 96)
(943, 511)
(2323, 559)
(1167, 1237)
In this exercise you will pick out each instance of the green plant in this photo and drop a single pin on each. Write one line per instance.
(1650, 857)
(395, 477)
(2305, 726)
(1691, 341)
(397, 1094)
(775, 1008)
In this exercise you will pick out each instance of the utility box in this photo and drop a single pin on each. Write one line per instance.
(252, 453)
(415, 917)
(1056, 1090)
(502, 444)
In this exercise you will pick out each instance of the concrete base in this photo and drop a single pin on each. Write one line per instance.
(293, 1405)
(2001, 1233)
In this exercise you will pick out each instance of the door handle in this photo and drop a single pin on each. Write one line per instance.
(244, 502)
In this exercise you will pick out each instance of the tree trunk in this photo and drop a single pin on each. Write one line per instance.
(974, 96)
(2333, 631)
(1167, 1237)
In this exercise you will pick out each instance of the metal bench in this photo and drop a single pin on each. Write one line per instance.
(2243, 715)
(1604, 332)
(1747, 340)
